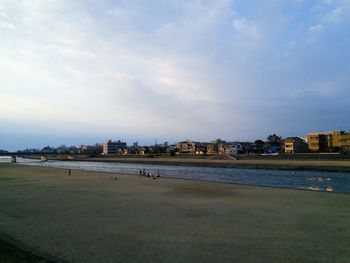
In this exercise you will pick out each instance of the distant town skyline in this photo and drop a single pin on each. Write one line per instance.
(39, 145)
(77, 72)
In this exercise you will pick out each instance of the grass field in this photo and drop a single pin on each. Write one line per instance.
(91, 217)
(11, 254)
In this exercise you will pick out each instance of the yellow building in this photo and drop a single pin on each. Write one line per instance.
(319, 142)
(341, 140)
(294, 145)
(329, 141)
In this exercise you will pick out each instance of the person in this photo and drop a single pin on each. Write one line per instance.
(140, 172)
(69, 172)
(158, 175)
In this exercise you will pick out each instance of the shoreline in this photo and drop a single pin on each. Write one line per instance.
(342, 166)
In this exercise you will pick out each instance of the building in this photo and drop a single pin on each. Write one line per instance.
(319, 142)
(294, 145)
(90, 149)
(116, 147)
(201, 148)
(141, 151)
(341, 141)
(230, 148)
(225, 148)
(186, 147)
(212, 148)
(329, 141)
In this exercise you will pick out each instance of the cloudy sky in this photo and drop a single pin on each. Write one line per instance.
(78, 72)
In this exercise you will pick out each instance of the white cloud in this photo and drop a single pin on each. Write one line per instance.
(5, 22)
(334, 16)
(246, 27)
(23, 69)
(202, 65)
(7, 26)
(4, 15)
(314, 33)
(316, 29)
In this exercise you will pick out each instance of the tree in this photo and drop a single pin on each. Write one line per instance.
(259, 142)
(274, 140)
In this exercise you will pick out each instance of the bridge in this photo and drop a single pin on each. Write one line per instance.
(26, 154)
(43, 156)
(20, 153)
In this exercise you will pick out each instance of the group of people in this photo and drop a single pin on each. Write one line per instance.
(146, 173)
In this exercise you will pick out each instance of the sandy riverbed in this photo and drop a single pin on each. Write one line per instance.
(91, 217)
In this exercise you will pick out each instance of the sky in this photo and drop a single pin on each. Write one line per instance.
(80, 72)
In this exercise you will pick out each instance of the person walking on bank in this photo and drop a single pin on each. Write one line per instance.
(69, 172)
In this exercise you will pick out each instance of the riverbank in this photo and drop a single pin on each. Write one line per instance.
(100, 217)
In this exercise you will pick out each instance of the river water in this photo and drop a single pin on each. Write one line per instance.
(311, 180)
